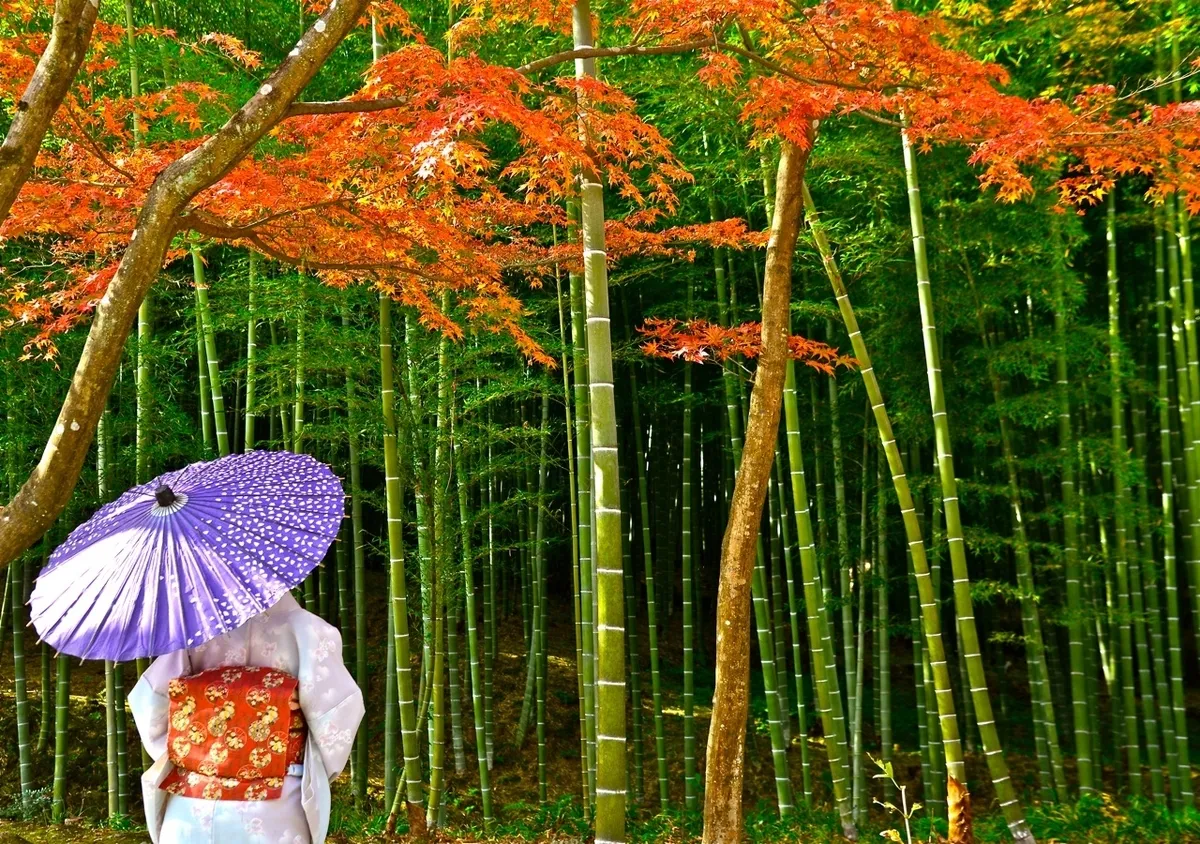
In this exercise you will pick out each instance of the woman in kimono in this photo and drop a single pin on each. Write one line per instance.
(247, 731)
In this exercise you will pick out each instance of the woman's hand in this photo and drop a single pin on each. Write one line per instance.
(294, 700)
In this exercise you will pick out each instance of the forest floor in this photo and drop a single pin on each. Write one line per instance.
(514, 777)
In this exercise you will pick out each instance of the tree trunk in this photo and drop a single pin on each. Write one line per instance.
(727, 736)
(51, 483)
(70, 35)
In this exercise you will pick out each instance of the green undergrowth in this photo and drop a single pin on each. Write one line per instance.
(1094, 820)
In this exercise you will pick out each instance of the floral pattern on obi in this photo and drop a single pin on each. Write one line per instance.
(231, 733)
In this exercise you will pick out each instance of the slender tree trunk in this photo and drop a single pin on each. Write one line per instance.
(724, 768)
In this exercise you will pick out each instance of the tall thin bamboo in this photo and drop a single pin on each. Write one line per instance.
(660, 736)
(413, 781)
(473, 652)
(1133, 770)
(212, 361)
(62, 713)
(20, 694)
(573, 509)
(539, 599)
(882, 616)
(1181, 778)
(610, 621)
(824, 669)
(690, 780)
(1010, 804)
(252, 354)
(1075, 608)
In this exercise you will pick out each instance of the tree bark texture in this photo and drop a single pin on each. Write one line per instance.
(727, 735)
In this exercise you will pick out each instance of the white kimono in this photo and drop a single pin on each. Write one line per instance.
(288, 638)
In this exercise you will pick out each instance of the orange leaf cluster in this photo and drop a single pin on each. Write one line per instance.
(700, 341)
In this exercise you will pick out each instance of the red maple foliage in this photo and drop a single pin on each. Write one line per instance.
(701, 341)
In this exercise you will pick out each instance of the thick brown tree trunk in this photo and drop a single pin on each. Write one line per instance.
(727, 735)
(70, 35)
(49, 486)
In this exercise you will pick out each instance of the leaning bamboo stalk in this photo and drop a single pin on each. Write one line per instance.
(824, 670)
(1010, 804)
(794, 610)
(928, 607)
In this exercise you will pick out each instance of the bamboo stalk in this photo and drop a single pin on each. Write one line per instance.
(414, 786)
(964, 606)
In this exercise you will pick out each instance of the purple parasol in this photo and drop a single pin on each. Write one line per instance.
(193, 554)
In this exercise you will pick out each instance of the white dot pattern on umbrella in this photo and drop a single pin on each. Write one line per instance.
(141, 577)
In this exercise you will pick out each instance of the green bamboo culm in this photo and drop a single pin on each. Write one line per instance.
(540, 599)
(794, 610)
(20, 692)
(358, 549)
(573, 509)
(690, 776)
(62, 711)
(46, 722)
(1081, 716)
(473, 652)
(583, 475)
(212, 375)
(251, 411)
(660, 737)
(1010, 804)
(110, 734)
(413, 782)
(824, 670)
(1133, 770)
(927, 609)
(1181, 777)
(610, 621)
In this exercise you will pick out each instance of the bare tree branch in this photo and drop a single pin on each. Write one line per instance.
(346, 106)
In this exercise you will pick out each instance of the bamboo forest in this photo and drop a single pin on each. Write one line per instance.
(754, 420)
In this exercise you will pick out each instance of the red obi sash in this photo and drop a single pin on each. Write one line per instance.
(231, 734)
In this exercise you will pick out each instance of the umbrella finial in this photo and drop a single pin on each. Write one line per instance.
(165, 496)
